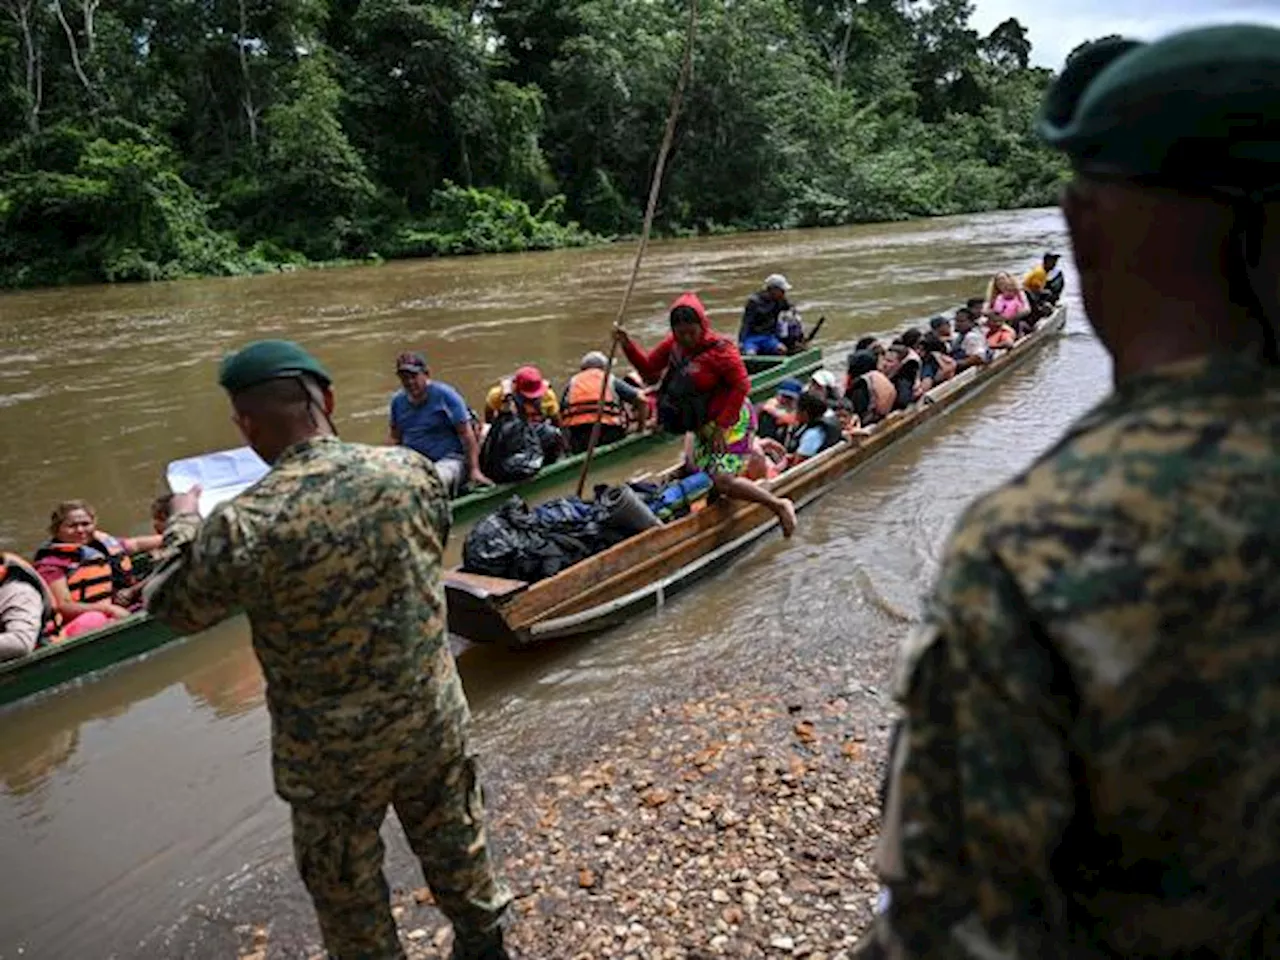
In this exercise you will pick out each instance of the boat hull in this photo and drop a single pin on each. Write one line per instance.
(641, 572)
(73, 659)
(89, 653)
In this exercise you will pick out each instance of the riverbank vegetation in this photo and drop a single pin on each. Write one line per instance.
(149, 139)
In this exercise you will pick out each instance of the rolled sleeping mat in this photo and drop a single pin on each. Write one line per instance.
(624, 510)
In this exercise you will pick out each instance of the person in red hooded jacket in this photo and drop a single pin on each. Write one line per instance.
(703, 391)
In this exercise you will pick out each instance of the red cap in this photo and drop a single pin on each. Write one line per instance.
(529, 384)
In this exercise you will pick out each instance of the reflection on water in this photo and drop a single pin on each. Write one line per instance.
(127, 798)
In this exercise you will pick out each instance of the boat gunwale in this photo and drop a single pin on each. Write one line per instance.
(879, 437)
(14, 672)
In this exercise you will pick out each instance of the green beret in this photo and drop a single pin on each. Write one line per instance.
(268, 360)
(1199, 110)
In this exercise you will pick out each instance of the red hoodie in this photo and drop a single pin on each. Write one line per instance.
(716, 369)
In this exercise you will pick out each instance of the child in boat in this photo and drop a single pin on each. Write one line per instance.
(818, 428)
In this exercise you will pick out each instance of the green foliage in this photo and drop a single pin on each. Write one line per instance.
(470, 220)
(118, 210)
(165, 139)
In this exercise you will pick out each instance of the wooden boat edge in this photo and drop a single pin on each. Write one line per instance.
(52, 667)
(938, 401)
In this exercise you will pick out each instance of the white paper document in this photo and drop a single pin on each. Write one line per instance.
(221, 475)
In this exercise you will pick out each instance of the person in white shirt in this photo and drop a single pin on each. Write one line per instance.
(972, 350)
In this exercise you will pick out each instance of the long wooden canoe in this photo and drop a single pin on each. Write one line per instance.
(126, 639)
(641, 572)
(766, 374)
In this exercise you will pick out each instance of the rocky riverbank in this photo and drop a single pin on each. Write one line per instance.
(739, 824)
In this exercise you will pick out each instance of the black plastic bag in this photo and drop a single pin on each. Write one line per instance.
(522, 544)
(512, 450)
(552, 440)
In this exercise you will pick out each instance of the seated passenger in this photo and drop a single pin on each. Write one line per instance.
(791, 331)
(902, 367)
(1000, 336)
(527, 394)
(1044, 284)
(868, 391)
(910, 338)
(759, 331)
(144, 564)
(940, 327)
(29, 617)
(818, 428)
(1006, 301)
(869, 343)
(936, 364)
(824, 385)
(90, 573)
(971, 345)
(777, 415)
(160, 513)
(432, 418)
(581, 406)
(850, 425)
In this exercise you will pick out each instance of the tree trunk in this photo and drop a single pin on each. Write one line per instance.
(21, 12)
(246, 98)
(88, 8)
(74, 47)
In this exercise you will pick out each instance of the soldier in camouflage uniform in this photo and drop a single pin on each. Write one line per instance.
(335, 556)
(1090, 757)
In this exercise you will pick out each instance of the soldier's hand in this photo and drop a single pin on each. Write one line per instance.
(187, 502)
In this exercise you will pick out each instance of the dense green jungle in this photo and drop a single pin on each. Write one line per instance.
(155, 139)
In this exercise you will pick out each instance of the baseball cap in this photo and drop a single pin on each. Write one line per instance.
(411, 363)
(825, 379)
(265, 360)
(595, 360)
(790, 387)
(776, 280)
(528, 383)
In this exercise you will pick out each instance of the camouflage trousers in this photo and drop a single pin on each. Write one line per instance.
(340, 854)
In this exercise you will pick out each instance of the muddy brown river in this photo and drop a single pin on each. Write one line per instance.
(127, 801)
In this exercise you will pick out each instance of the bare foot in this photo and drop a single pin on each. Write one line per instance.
(787, 517)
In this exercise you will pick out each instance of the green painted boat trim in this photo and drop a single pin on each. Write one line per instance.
(124, 640)
(71, 659)
(769, 372)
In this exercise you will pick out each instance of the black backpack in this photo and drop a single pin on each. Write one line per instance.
(681, 407)
(512, 450)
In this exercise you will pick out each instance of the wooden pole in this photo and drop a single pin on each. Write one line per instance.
(686, 70)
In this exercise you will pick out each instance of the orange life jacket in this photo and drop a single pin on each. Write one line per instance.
(97, 570)
(1002, 337)
(582, 401)
(13, 567)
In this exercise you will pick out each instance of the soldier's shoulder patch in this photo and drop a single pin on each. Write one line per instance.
(917, 643)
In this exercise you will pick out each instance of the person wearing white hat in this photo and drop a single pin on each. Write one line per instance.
(760, 318)
(824, 384)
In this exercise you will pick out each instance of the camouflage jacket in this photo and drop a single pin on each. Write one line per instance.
(335, 556)
(1091, 751)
